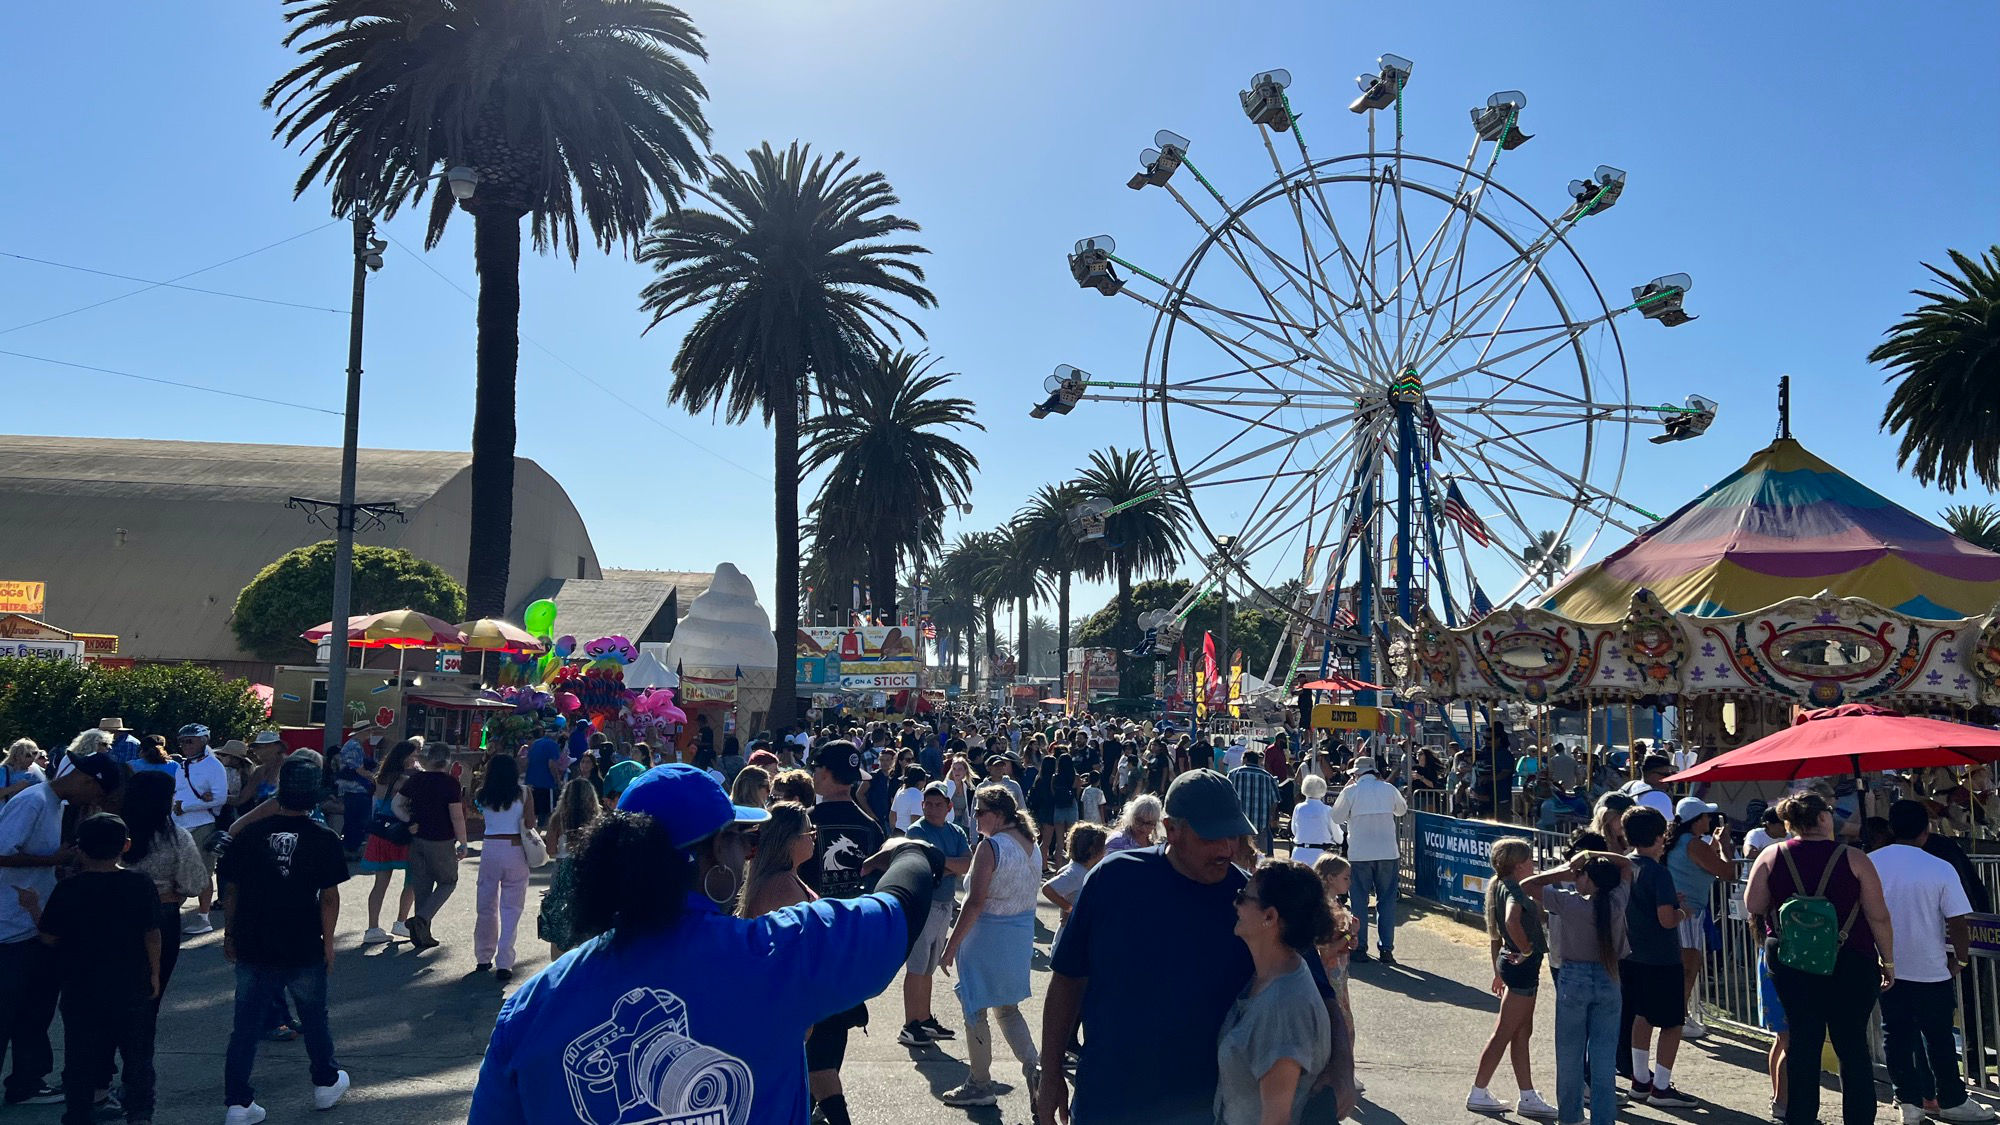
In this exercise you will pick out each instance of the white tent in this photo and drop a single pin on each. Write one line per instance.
(649, 672)
(726, 639)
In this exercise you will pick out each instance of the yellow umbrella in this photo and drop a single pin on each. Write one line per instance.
(490, 634)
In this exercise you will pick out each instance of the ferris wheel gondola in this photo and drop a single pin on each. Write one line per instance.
(1383, 371)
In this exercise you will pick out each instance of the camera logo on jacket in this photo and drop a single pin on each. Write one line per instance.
(643, 1067)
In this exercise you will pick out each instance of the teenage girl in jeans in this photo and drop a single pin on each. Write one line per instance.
(1836, 1006)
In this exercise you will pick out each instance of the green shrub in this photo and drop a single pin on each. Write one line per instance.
(51, 700)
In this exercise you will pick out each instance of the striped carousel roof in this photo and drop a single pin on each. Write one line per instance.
(1787, 524)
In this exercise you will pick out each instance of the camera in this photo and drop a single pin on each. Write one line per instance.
(641, 1067)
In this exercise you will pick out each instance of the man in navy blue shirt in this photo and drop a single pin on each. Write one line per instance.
(540, 776)
(1141, 919)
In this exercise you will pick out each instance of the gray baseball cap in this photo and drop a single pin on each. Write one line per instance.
(1206, 802)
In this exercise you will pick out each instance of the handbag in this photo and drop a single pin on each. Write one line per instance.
(389, 828)
(533, 848)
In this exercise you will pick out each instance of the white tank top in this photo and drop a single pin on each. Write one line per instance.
(503, 822)
(1017, 876)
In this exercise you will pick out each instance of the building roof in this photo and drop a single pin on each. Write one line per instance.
(141, 469)
(153, 540)
(1785, 525)
(640, 605)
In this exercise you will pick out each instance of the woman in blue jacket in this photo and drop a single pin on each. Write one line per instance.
(678, 1010)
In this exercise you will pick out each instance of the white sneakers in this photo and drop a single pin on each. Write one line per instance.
(1693, 1028)
(1967, 1110)
(1480, 1101)
(376, 935)
(198, 924)
(1532, 1105)
(400, 930)
(325, 1097)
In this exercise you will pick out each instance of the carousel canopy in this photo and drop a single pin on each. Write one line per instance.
(1787, 525)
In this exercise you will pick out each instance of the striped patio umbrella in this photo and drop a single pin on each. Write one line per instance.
(397, 628)
(490, 634)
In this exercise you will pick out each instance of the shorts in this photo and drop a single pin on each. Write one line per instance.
(1770, 1013)
(1522, 977)
(544, 803)
(204, 841)
(1654, 992)
(826, 1045)
(929, 950)
(1064, 816)
(1694, 931)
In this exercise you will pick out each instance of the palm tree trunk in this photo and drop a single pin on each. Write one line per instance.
(785, 485)
(1124, 602)
(1021, 641)
(1062, 626)
(496, 250)
(882, 582)
(992, 646)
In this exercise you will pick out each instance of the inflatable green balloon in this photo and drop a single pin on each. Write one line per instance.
(540, 618)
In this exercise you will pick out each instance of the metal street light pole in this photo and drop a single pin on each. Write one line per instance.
(343, 532)
(367, 256)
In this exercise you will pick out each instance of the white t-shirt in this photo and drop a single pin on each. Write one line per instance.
(1922, 891)
(1657, 799)
(1758, 839)
(907, 808)
(30, 824)
(1233, 757)
(1091, 801)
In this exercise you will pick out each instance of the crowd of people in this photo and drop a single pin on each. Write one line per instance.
(836, 859)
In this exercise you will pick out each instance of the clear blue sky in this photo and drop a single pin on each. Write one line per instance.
(1799, 160)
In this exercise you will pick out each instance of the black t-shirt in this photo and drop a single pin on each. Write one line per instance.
(847, 836)
(431, 794)
(1201, 756)
(1137, 927)
(100, 920)
(279, 866)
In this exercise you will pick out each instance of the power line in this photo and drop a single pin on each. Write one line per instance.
(170, 281)
(170, 382)
(581, 373)
(151, 284)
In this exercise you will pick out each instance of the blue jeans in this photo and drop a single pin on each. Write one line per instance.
(1587, 1008)
(258, 987)
(356, 809)
(1376, 879)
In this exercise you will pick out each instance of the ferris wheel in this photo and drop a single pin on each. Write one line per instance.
(1384, 376)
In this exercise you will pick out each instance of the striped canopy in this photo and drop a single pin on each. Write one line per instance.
(1787, 524)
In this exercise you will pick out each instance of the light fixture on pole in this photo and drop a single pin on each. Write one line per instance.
(463, 181)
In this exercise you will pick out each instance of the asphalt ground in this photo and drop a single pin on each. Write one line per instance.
(410, 1028)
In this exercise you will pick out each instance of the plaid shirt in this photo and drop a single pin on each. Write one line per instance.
(1257, 791)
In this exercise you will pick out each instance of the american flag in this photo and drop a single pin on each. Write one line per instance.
(930, 629)
(1435, 428)
(1343, 615)
(1481, 604)
(1459, 512)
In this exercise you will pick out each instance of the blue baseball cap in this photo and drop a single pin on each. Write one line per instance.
(687, 802)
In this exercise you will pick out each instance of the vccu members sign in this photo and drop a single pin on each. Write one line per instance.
(1454, 859)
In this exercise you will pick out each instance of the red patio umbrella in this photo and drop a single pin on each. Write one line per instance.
(1338, 682)
(1855, 738)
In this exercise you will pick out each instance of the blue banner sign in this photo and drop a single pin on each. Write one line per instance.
(1985, 935)
(1454, 859)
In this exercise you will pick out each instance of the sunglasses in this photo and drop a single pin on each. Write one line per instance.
(1244, 896)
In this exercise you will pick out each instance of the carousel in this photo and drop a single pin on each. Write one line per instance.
(1786, 586)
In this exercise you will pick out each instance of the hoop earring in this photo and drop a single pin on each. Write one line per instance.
(726, 897)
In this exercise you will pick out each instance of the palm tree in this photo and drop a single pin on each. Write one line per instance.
(1977, 524)
(1042, 659)
(1018, 574)
(1548, 558)
(1053, 543)
(1148, 532)
(955, 612)
(790, 259)
(894, 466)
(1947, 356)
(975, 564)
(559, 105)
